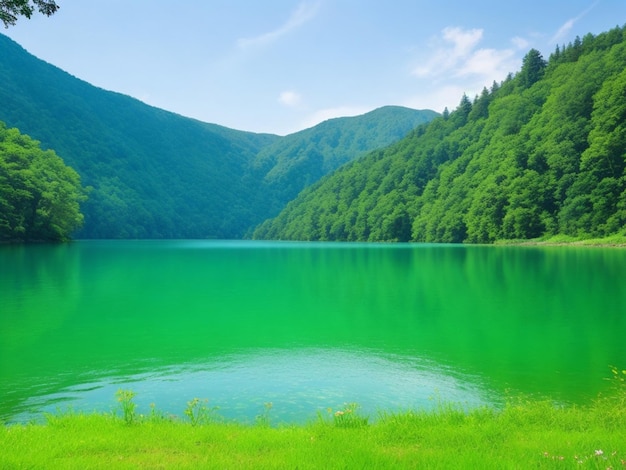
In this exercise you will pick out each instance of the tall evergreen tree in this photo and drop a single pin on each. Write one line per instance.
(533, 67)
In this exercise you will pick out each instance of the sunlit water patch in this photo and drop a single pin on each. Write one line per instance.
(299, 384)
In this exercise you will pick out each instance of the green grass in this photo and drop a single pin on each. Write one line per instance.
(524, 434)
(618, 240)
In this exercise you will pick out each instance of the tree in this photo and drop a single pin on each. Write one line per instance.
(480, 108)
(11, 9)
(533, 67)
(39, 194)
(460, 114)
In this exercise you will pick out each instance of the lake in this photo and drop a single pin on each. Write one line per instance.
(305, 326)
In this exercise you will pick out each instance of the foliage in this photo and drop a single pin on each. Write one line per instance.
(264, 418)
(155, 174)
(533, 67)
(348, 417)
(296, 161)
(199, 412)
(11, 9)
(618, 395)
(541, 154)
(39, 194)
(127, 405)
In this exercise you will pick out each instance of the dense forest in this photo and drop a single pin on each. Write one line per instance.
(294, 162)
(155, 174)
(542, 153)
(39, 194)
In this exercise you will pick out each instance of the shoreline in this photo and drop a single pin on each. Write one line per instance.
(609, 242)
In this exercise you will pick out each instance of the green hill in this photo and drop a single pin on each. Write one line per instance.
(292, 163)
(155, 174)
(541, 154)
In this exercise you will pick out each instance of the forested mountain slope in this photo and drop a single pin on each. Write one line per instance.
(155, 174)
(542, 153)
(292, 163)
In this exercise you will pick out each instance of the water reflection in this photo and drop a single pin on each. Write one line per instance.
(543, 321)
(299, 384)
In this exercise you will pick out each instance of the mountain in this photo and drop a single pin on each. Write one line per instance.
(292, 163)
(155, 174)
(541, 154)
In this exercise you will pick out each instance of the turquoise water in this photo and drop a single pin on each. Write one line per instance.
(305, 326)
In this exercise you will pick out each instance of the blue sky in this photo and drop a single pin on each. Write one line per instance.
(279, 66)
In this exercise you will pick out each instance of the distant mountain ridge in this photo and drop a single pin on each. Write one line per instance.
(156, 174)
(298, 160)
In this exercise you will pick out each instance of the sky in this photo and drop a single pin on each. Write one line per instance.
(280, 66)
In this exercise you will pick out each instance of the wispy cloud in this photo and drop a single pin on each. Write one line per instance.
(563, 30)
(458, 55)
(457, 45)
(457, 64)
(304, 13)
(290, 98)
(520, 43)
(487, 63)
(569, 24)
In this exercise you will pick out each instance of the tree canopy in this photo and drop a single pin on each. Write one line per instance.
(39, 194)
(10, 10)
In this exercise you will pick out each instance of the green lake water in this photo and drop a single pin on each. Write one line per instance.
(305, 326)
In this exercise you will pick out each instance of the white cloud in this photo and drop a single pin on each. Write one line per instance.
(290, 98)
(488, 63)
(520, 43)
(563, 30)
(458, 44)
(461, 58)
(569, 24)
(459, 66)
(304, 13)
(463, 41)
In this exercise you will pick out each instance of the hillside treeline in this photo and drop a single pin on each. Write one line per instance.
(542, 153)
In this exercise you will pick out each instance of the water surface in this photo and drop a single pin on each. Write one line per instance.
(306, 326)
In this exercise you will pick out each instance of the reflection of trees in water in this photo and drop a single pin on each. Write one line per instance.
(39, 285)
(40, 290)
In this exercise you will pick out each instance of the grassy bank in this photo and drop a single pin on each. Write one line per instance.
(564, 240)
(524, 434)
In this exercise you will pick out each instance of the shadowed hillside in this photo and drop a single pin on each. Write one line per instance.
(292, 163)
(155, 174)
